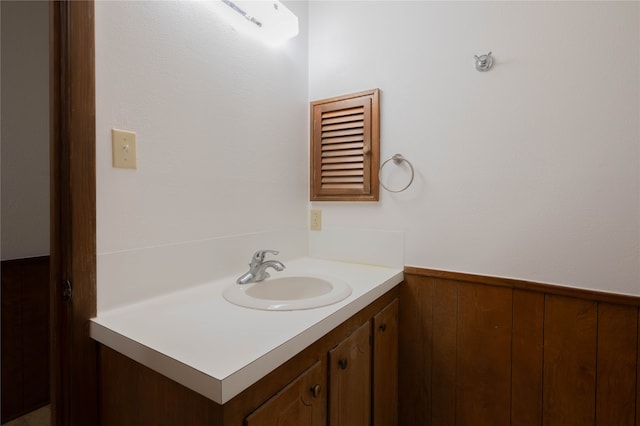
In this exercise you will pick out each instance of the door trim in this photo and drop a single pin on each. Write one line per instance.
(74, 396)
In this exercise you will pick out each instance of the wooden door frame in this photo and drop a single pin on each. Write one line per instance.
(74, 395)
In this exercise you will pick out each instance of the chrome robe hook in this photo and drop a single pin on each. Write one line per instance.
(484, 62)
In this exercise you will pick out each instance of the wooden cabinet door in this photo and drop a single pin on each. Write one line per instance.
(302, 402)
(385, 366)
(350, 380)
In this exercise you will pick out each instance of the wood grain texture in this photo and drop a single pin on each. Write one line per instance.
(385, 366)
(483, 379)
(25, 335)
(415, 350)
(559, 290)
(350, 380)
(569, 361)
(526, 361)
(73, 214)
(617, 363)
(353, 118)
(444, 353)
(12, 359)
(571, 357)
(129, 389)
(35, 333)
(296, 404)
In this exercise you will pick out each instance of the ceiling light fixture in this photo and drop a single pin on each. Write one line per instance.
(267, 20)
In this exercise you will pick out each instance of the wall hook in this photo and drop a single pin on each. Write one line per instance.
(484, 62)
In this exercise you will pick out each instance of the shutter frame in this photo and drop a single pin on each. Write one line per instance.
(345, 138)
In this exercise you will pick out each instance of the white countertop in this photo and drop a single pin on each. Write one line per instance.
(218, 349)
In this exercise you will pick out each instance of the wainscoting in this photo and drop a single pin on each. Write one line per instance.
(480, 350)
(25, 336)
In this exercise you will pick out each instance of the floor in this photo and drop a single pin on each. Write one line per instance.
(40, 417)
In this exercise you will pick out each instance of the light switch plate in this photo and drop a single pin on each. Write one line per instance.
(124, 149)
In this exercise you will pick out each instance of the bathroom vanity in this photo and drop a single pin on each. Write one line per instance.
(193, 358)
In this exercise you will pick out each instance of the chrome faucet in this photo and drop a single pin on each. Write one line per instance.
(258, 267)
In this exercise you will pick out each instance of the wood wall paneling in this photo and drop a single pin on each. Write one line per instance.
(415, 342)
(12, 361)
(526, 358)
(569, 361)
(483, 383)
(25, 335)
(482, 350)
(36, 329)
(444, 353)
(638, 374)
(617, 364)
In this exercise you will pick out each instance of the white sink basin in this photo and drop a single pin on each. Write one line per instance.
(288, 293)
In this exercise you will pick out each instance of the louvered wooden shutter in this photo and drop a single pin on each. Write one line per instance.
(345, 148)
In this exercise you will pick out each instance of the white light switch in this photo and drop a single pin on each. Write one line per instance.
(124, 149)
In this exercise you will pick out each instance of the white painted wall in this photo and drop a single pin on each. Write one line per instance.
(220, 122)
(222, 136)
(530, 170)
(25, 129)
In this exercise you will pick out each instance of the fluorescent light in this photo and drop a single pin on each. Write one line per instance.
(267, 20)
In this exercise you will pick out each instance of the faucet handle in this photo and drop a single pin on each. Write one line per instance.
(259, 255)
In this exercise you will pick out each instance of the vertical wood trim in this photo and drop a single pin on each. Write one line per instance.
(617, 357)
(569, 361)
(483, 355)
(526, 362)
(73, 249)
(444, 355)
(415, 351)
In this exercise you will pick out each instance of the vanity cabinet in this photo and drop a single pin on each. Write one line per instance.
(347, 377)
(301, 402)
(362, 381)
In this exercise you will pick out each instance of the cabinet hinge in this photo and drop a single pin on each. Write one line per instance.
(67, 291)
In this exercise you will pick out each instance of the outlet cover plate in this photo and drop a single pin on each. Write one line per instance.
(316, 220)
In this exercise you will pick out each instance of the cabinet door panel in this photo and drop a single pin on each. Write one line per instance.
(385, 366)
(297, 404)
(350, 380)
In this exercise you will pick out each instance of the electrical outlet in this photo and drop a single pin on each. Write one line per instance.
(316, 220)
(124, 149)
